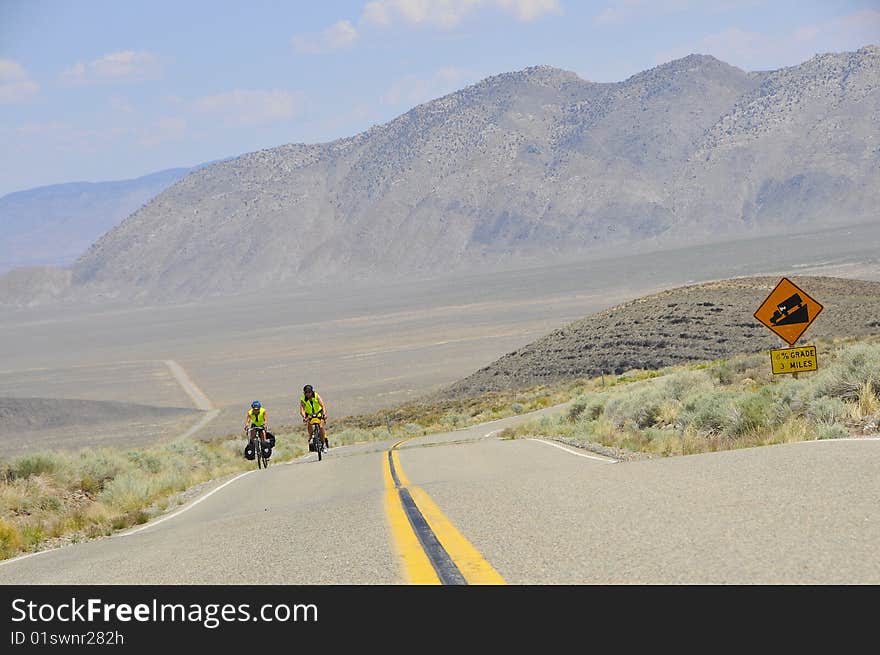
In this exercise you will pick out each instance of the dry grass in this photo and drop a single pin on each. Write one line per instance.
(731, 403)
(441, 415)
(50, 498)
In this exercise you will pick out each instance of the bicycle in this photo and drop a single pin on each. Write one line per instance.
(257, 444)
(316, 443)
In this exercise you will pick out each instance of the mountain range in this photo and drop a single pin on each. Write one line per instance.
(53, 225)
(521, 168)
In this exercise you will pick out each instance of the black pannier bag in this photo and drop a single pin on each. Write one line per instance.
(271, 439)
(267, 450)
(249, 451)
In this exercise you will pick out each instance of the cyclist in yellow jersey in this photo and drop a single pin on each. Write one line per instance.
(256, 420)
(312, 403)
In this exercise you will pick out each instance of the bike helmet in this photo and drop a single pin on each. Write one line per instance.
(307, 388)
(256, 404)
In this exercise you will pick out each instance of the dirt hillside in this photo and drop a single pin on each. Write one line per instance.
(688, 324)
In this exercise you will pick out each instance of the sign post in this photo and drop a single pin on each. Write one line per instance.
(788, 311)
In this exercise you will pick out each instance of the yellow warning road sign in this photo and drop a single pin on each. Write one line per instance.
(794, 360)
(788, 311)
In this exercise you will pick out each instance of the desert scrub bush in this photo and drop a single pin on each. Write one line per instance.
(635, 375)
(853, 367)
(651, 438)
(751, 413)
(540, 402)
(602, 431)
(144, 460)
(194, 452)
(517, 408)
(595, 408)
(640, 406)
(233, 444)
(31, 465)
(10, 539)
(723, 372)
(831, 431)
(129, 491)
(546, 423)
(576, 409)
(869, 400)
(826, 409)
(750, 365)
(790, 397)
(692, 442)
(793, 429)
(668, 414)
(32, 533)
(682, 383)
(26, 496)
(96, 467)
(707, 412)
(350, 435)
(453, 420)
(664, 442)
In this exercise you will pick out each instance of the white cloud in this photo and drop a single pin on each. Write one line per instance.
(449, 13)
(338, 35)
(243, 107)
(622, 11)
(15, 84)
(126, 65)
(759, 51)
(412, 90)
(443, 14)
(860, 27)
(529, 10)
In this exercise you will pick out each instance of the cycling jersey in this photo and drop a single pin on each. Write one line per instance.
(312, 406)
(258, 420)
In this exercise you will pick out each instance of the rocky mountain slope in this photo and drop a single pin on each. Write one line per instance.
(694, 323)
(530, 166)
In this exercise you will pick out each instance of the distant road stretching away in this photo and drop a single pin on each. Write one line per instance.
(200, 400)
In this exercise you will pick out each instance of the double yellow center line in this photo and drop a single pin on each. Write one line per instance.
(433, 551)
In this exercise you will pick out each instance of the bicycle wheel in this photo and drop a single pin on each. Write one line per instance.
(258, 454)
(319, 445)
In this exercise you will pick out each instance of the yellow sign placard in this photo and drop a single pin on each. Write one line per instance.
(794, 360)
(788, 311)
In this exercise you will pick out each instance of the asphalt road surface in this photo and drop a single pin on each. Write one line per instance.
(531, 512)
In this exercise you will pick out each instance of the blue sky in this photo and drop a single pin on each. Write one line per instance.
(95, 90)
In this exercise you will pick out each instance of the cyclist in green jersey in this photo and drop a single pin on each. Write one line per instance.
(312, 403)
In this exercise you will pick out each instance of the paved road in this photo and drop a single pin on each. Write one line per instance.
(539, 513)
